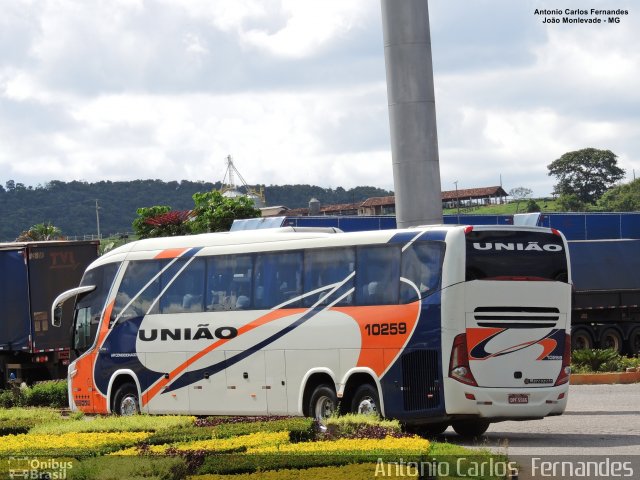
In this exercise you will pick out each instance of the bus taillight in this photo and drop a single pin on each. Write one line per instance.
(563, 377)
(459, 364)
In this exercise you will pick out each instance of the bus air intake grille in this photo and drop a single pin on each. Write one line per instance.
(420, 380)
(517, 317)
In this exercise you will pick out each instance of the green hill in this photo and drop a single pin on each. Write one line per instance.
(71, 206)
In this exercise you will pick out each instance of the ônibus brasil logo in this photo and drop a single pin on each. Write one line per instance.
(521, 247)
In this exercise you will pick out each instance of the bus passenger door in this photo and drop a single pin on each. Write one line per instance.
(275, 384)
(207, 395)
(245, 383)
(174, 401)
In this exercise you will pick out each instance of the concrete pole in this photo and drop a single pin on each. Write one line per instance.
(412, 112)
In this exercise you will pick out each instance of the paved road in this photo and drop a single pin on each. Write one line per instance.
(601, 424)
(599, 420)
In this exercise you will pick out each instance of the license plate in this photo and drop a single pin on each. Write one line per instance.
(519, 398)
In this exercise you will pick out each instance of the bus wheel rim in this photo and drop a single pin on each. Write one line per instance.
(128, 406)
(324, 407)
(367, 406)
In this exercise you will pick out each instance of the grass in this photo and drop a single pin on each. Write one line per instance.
(545, 204)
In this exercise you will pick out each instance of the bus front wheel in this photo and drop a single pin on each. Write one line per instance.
(470, 428)
(366, 400)
(323, 402)
(126, 400)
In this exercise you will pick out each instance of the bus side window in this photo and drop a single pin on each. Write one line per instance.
(229, 280)
(278, 278)
(422, 265)
(325, 267)
(184, 289)
(135, 297)
(378, 275)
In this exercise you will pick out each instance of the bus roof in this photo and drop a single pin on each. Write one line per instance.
(283, 234)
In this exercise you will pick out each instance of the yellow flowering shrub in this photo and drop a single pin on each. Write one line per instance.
(403, 445)
(68, 443)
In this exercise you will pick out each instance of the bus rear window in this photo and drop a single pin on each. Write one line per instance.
(515, 255)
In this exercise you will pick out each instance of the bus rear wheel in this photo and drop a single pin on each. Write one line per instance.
(322, 403)
(470, 428)
(366, 400)
(126, 400)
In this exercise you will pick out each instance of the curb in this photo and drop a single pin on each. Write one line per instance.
(604, 378)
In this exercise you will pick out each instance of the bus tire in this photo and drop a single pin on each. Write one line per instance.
(470, 428)
(323, 402)
(611, 338)
(581, 339)
(366, 400)
(633, 342)
(125, 401)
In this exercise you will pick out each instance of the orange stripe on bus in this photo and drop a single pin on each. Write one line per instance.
(269, 317)
(549, 345)
(171, 253)
(379, 350)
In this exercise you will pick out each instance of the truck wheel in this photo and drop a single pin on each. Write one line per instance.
(470, 428)
(125, 401)
(323, 402)
(611, 338)
(633, 342)
(581, 339)
(366, 400)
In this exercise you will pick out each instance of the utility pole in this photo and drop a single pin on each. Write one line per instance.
(98, 218)
(412, 112)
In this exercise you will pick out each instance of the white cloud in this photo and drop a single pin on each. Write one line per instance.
(295, 91)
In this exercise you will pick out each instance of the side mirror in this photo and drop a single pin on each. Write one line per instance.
(56, 320)
(56, 308)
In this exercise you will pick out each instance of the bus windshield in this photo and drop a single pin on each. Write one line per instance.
(89, 305)
(515, 255)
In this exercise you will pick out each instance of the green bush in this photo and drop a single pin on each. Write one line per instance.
(51, 393)
(13, 397)
(131, 468)
(596, 360)
(360, 471)
(114, 423)
(242, 463)
(15, 427)
(37, 415)
(360, 426)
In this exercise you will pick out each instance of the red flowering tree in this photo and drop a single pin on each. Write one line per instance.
(161, 221)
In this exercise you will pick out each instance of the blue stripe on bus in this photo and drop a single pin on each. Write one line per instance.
(191, 377)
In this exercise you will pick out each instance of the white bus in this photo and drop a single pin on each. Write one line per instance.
(434, 326)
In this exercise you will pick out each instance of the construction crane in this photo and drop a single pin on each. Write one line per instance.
(230, 189)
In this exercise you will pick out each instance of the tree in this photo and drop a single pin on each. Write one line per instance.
(161, 221)
(40, 232)
(623, 198)
(586, 173)
(215, 213)
(532, 206)
(571, 203)
(519, 194)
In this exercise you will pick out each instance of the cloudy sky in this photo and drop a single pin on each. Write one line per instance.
(295, 90)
